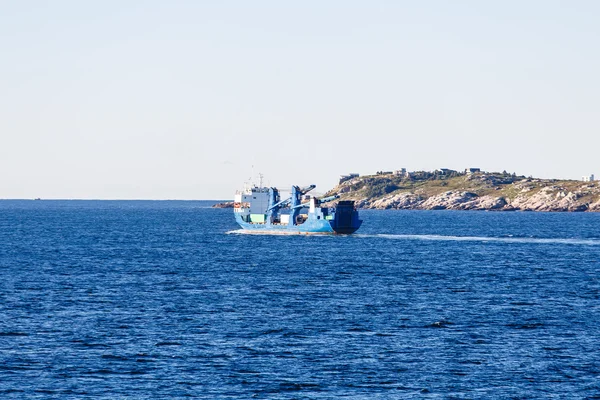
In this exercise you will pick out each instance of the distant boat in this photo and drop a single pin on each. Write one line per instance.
(37, 198)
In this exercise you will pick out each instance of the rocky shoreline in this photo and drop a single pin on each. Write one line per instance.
(489, 192)
(458, 200)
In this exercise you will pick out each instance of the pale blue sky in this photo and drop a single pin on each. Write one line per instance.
(178, 99)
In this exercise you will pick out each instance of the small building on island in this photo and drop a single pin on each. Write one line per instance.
(344, 178)
(402, 172)
(589, 178)
(470, 171)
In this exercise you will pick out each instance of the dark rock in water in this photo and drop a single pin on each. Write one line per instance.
(227, 204)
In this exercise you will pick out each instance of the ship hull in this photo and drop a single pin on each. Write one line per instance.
(310, 226)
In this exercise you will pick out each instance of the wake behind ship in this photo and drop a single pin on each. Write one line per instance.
(261, 209)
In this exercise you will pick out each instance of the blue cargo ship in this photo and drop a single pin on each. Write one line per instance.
(261, 209)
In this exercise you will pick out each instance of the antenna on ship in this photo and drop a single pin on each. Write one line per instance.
(260, 180)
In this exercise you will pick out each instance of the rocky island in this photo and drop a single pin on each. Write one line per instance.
(226, 204)
(453, 190)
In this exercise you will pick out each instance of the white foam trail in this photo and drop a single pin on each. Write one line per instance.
(585, 242)
(439, 238)
(276, 233)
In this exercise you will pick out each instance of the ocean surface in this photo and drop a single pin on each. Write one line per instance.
(164, 299)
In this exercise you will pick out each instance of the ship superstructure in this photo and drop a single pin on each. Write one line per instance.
(262, 208)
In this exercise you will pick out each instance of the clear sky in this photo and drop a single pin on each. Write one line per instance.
(180, 99)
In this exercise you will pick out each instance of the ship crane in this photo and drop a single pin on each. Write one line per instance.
(328, 198)
(305, 189)
(281, 204)
(318, 201)
(299, 192)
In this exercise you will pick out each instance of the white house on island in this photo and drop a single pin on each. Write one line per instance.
(401, 172)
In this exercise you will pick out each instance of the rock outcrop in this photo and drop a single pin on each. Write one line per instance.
(448, 200)
(549, 199)
(402, 201)
(445, 201)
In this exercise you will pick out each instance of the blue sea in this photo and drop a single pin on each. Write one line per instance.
(164, 299)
